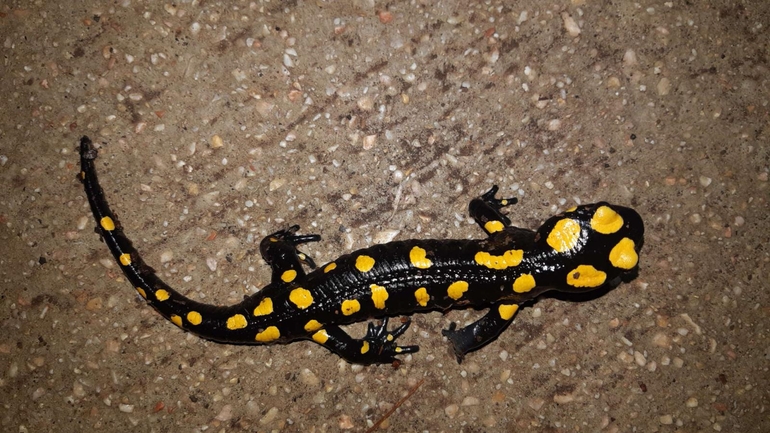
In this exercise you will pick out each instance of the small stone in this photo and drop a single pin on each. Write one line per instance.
(308, 378)
(385, 17)
(470, 401)
(166, 256)
(271, 414)
(276, 183)
(385, 236)
(640, 359)
(704, 181)
(211, 262)
(666, 420)
(126, 408)
(369, 142)
(451, 410)
(664, 86)
(365, 103)
(225, 414)
(94, 304)
(629, 58)
(691, 402)
(613, 83)
(570, 25)
(661, 340)
(346, 422)
(264, 108)
(535, 403)
(216, 142)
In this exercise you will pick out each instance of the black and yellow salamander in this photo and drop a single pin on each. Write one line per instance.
(585, 248)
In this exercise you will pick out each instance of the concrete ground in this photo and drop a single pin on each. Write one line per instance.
(220, 122)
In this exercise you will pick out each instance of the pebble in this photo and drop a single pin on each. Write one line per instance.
(570, 25)
(664, 86)
(309, 378)
(216, 142)
(346, 422)
(536, 403)
(166, 256)
(276, 183)
(629, 58)
(369, 142)
(126, 408)
(666, 420)
(211, 262)
(270, 415)
(470, 401)
(225, 414)
(451, 410)
(691, 402)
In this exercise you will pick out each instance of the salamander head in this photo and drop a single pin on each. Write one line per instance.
(598, 244)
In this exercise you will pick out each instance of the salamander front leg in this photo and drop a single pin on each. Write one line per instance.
(280, 251)
(480, 332)
(377, 347)
(486, 211)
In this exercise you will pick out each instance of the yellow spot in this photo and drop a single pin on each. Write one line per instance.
(572, 209)
(623, 255)
(142, 292)
(418, 258)
(456, 289)
(364, 347)
(398, 349)
(350, 306)
(364, 263)
(125, 259)
(321, 337)
(289, 276)
(107, 223)
(82, 174)
(301, 298)
(264, 308)
(313, 325)
(586, 276)
(606, 220)
(194, 317)
(508, 259)
(236, 322)
(524, 283)
(379, 296)
(565, 235)
(507, 311)
(330, 267)
(271, 333)
(493, 226)
(176, 320)
(422, 297)
(162, 295)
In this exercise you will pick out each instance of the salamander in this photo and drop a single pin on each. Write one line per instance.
(585, 248)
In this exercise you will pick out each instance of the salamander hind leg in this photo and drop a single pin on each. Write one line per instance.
(480, 332)
(280, 251)
(377, 347)
(486, 211)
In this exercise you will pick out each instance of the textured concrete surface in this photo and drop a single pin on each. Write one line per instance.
(220, 122)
